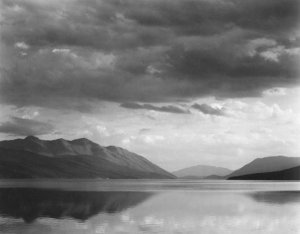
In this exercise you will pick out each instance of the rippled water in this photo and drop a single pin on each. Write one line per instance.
(128, 206)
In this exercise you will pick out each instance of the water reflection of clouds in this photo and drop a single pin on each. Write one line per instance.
(189, 213)
(186, 213)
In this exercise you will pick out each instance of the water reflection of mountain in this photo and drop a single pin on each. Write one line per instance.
(276, 197)
(30, 204)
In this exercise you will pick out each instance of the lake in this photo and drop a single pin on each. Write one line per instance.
(149, 206)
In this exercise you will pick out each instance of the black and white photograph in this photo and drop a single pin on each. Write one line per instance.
(149, 116)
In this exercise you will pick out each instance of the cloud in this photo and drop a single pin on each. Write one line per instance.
(143, 23)
(22, 45)
(25, 127)
(145, 51)
(144, 131)
(209, 110)
(169, 108)
(275, 92)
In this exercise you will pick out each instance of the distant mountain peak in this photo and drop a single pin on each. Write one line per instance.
(202, 171)
(82, 141)
(270, 157)
(32, 138)
(59, 139)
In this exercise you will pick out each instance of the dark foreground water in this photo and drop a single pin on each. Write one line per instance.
(147, 206)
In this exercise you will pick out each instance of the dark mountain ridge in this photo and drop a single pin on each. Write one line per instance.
(80, 158)
(287, 174)
(267, 164)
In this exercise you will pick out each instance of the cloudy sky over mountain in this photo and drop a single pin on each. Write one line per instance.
(180, 82)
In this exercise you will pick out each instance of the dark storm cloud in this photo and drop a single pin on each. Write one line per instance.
(209, 17)
(93, 24)
(67, 54)
(226, 72)
(25, 127)
(207, 109)
(169, 108)
(129, 24)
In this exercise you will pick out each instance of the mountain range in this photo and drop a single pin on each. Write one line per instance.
(201, 172)
(32, 157)
(266, 164)
(287, 174)
(267, 168)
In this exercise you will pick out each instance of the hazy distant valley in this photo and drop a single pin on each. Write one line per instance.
(267, 168)
(202, 172)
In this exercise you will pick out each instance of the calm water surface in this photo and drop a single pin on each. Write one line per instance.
(148, 206)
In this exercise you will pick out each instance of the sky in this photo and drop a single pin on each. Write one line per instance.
(181, 82)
